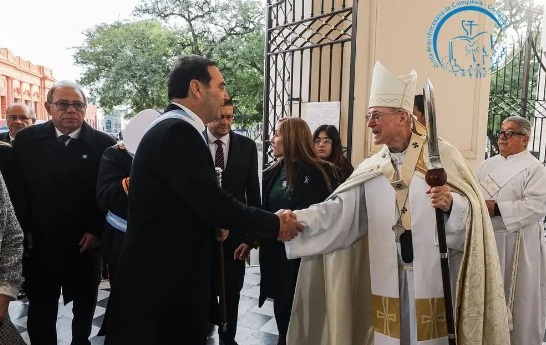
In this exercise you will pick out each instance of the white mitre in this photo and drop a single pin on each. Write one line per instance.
(389, 90)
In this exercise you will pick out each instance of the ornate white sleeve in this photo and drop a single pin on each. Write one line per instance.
(331, 225)
(457, 221)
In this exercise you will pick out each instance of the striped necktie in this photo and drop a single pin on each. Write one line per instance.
(219, 157)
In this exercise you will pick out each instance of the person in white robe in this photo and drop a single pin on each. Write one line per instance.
(514, 186)
(379, 279)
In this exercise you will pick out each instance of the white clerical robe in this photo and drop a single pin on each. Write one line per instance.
(517, 184)
(370, 208)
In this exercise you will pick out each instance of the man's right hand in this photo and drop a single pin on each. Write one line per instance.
(289, 226)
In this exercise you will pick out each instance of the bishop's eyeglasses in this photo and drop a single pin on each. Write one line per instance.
(376, 115)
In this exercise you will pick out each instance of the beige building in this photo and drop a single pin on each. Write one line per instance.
(320, 53)
(23, 82)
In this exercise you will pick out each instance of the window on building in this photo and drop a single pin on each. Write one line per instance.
(3, 106)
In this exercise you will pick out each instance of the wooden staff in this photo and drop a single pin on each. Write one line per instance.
(223, 313)
(436, 176)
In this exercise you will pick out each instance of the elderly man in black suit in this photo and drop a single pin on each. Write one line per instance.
(18, 116)
(57, 164)
(175, 204)
(237, 156)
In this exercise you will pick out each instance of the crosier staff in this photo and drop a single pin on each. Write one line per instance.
(436, 176)
(223, 315)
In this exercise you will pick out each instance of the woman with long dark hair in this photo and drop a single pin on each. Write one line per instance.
(328, 147)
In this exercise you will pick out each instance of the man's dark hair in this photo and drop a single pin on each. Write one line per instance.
(186, 69)
(419, 102)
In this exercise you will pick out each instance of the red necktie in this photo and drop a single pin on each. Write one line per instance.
(219, 157)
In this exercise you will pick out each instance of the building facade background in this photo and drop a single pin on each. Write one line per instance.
(24, 82)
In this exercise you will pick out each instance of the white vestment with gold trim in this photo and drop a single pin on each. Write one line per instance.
(349, 295)
(517, 183)
(373, 204)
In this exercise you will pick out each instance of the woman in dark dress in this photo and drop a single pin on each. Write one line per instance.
(298, 179)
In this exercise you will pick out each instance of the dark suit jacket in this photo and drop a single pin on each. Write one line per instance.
(5, 137)
(240, 179)
(174, 205)
(115, 165)
(56, 196)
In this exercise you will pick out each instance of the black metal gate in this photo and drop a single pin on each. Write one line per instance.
(518, 87)
(310, 57)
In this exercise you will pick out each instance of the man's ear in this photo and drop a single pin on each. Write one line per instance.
(196, 88)
(48, 107)
(405, 116)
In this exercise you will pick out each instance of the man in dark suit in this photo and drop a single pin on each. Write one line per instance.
(237, 156)
(57, 164)
(175, 204)
(18, 116)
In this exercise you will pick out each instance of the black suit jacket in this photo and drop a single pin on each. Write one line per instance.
(56, 196)
(240, 179)
(174, 205)
(5, 137)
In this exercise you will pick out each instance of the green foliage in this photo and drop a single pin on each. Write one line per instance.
(229, 32)
(125, 64)
(507, 96)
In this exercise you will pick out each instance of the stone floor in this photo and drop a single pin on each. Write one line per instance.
(256, 326)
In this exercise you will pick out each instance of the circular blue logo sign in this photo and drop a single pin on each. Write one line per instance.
(456, 44)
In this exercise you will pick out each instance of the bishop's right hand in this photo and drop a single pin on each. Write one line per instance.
(289, 226)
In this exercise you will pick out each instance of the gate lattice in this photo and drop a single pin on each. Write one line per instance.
(518, 87)
(310, 53)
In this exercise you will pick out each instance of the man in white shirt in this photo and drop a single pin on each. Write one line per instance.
(386, 286)
(514, 186)
(18, 116)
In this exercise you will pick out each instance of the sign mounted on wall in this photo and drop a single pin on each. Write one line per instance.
(471, 52)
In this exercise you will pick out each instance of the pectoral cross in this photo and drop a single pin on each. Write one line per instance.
(398, 230)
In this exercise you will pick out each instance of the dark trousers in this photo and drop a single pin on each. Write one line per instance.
(282, 304)
(112, 242)
(44, 289)
(235, 276)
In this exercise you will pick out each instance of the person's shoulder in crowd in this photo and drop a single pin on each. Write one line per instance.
(101, 137)
(6, 154)
(243, 138)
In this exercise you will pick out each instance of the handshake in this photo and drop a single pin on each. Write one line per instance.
(289, 226)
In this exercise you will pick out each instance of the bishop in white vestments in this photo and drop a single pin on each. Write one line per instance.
(378, 280)
(514, 186)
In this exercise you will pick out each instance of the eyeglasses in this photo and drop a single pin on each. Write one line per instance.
(322, 141)
(63, 105)
(509, 134)
(227, 117)
(23, 118)
(375, 115)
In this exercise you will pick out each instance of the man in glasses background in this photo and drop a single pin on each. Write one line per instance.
(237, 156)
(513, 184)
(18, 116)
(56, 166)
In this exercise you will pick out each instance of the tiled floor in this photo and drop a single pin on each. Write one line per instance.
(256, 326)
